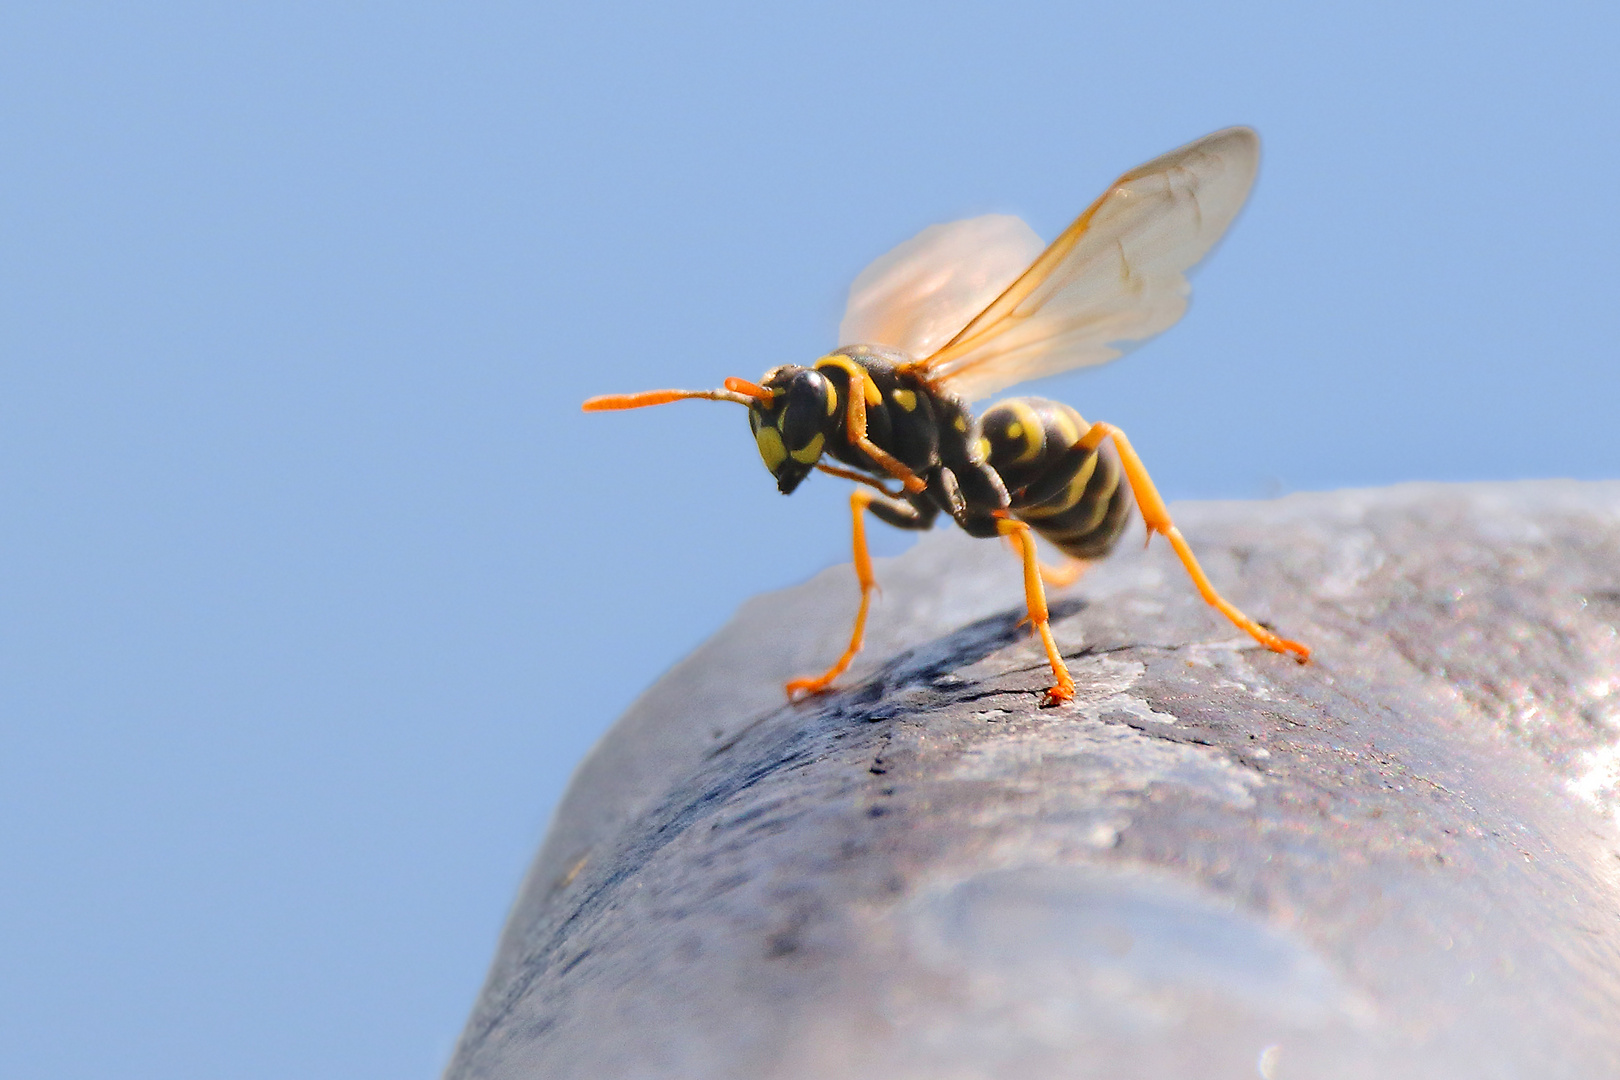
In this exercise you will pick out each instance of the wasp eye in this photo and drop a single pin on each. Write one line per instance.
(804, 413)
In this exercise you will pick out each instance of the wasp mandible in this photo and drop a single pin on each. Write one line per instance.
(966, 309)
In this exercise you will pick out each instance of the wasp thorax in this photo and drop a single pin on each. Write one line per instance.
(791, 428)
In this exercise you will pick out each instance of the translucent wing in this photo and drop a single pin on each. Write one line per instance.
(918, 296)
(1117, 275)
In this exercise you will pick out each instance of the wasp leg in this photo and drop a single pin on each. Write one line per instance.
(1157, 518)
(1064, 574)
(1035, 599)
(860, 385)
(859, 478)
(899, 514)
(1060, 576)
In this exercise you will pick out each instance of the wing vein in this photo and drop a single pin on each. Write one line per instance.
(1072, 307)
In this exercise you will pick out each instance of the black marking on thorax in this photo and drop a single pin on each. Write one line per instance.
(903, 421)
(930, 432)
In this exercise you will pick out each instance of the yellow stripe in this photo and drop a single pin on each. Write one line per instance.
(1029, 423)
(1103, 497)
(856, 374)
(1072, 494)
(1064, 420)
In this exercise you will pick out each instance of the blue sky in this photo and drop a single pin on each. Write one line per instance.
(315, 583)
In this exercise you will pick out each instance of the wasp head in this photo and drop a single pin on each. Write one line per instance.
(792, 425)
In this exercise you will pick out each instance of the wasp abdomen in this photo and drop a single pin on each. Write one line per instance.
(1074, 497)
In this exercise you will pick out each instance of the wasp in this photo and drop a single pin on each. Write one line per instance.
(966, 309)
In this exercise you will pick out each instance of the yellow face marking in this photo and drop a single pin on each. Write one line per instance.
(770, 447)
(905, 399)
(981, 449)
(961, 425)
(832, 399)
(810, 453)
(856, 373)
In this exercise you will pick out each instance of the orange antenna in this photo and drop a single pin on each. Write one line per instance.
(609, 402)
(748, 389)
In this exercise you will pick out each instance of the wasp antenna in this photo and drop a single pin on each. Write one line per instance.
(748, 389)
(610, 402)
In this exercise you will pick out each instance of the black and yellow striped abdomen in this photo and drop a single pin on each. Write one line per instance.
(1076, 498)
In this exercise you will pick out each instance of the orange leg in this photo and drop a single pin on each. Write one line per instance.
(1063, 575)
(1035, 599)
(860, 387)
(858, 500)
(1157, 518)
(859, 478)
(1060, 576)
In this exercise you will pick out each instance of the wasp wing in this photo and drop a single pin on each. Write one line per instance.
(918, 296)
(1116, 276)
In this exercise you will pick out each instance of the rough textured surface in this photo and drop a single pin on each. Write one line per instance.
(1400, 860)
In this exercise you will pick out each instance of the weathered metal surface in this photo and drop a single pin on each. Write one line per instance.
(1400, 860)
